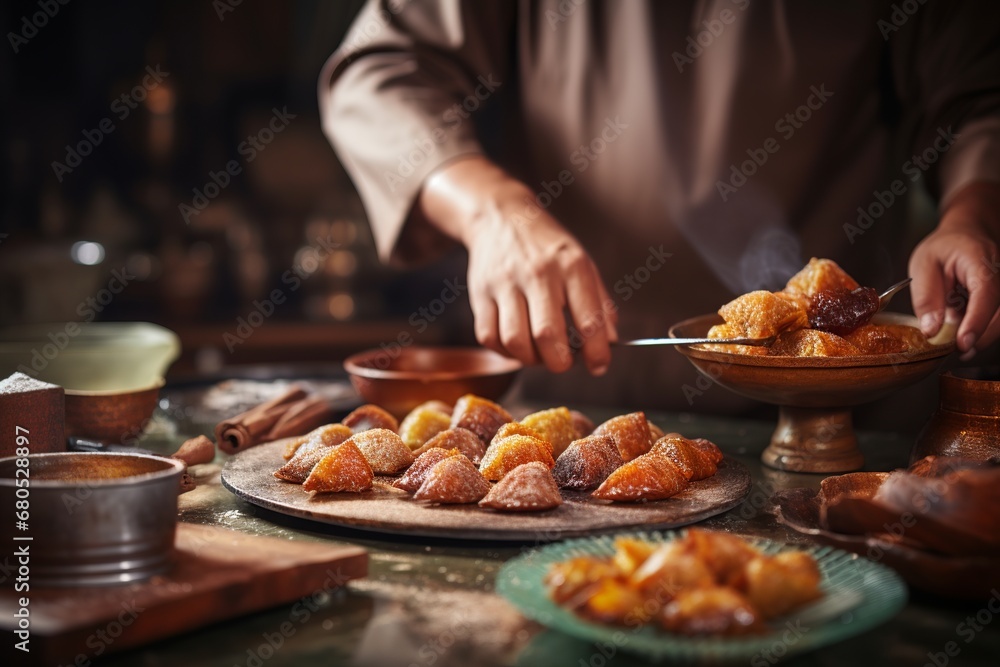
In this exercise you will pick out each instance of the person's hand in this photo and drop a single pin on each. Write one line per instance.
(956, 268)
(525, 269)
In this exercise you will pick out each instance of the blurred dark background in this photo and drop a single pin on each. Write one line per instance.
(188, 88)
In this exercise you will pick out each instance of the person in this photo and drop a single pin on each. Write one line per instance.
(613, 167)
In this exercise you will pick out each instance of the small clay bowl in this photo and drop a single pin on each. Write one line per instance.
(95, 517)
(403, 380)
(112, 417)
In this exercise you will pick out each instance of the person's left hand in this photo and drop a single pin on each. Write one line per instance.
(956, 269)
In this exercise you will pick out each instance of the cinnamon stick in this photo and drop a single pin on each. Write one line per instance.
(292, 413)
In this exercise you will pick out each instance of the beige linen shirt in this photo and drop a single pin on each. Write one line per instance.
(697, 149)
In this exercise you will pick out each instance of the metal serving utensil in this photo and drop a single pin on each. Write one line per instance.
(883, 301)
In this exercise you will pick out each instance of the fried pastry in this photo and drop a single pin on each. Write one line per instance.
(812, 343)
(708, 447)
(689, 459)
(324, 436)
(651, 476)
(713, 610)
(334, 434)
(368, 417)
(779, 584)
(762, 314)
(727, 331)
(517, 428)
(555, 425)
(527, 488)
(630, 554)
(481, 416)
(464, 440)
(630, 433)
(819, 275)
(384, 449)
(587, 462)
(309, 454)
(417, 473)
(422, 424)
(344, 468)
(582, 424)
(888, 339)
(655, 432)
(453, 480)
(506, 454)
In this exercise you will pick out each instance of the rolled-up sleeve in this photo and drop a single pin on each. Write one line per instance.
(398, 100)
(946, 63)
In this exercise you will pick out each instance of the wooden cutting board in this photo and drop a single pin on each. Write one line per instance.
(218, 574)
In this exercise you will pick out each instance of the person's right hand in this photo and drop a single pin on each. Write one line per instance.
(525, 269)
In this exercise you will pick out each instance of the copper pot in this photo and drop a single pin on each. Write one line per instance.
(967, 422)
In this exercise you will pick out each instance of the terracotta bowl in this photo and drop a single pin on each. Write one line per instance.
(112, 417)
(417, 374)
(814, 432)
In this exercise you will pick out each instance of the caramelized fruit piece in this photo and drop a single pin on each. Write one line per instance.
(569, 580)
(783, 583)
(326, 432)
(417, 473)
(421, 425)
(582, 424)
(613, 601)
(481, 416)
(692, 462)
(527, 488)
(630, 433)
(668, 570)
(842, 311)
(812, 343)
(724, 555)
(888, 339)
(711, 611)
(651, 476)
(309, 454)
(464, 440)
(344, 468)
(555, 425)
(587, 462)
(819, 275)
(506, 454)
(368, 417)
(630, 554)
(761, 314)
(384, 449)
(727, 331)
(453, 481)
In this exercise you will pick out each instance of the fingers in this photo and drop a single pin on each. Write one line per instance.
(583, 290)
(548, 327)
(515, 326)
(484, 313)
(610, 309)
(928, 291)
(984, 301)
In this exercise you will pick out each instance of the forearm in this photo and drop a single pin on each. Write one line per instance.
(465, 196)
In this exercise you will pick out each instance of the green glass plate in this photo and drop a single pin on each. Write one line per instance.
(859, 595)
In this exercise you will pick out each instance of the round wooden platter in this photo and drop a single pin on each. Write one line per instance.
(389, 510)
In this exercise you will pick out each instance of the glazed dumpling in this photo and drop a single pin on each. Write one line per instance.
(527, 488)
